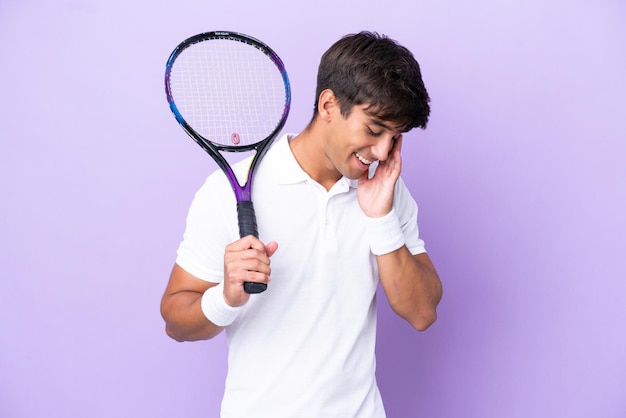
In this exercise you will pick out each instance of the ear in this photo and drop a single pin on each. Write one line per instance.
(327, 105)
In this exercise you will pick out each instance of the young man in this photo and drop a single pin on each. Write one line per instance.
(333, 200)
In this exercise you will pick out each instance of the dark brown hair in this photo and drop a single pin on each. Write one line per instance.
(373, 70)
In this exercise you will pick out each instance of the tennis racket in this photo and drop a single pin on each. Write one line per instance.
(230, 93)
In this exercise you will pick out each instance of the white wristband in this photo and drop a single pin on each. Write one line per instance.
(216, 309)
(384, 233)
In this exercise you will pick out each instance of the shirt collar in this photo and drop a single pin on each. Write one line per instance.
(288, 169)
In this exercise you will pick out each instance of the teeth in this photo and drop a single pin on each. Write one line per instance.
(363, 160)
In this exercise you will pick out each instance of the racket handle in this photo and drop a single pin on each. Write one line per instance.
(247, 219)
(247, 226)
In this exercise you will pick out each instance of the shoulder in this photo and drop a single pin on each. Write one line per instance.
(216, 184)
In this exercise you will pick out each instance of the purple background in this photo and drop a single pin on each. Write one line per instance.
(520, 177)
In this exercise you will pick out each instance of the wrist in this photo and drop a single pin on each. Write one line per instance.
(384, 233)
(215, 308)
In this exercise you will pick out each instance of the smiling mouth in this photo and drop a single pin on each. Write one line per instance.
(363, 159)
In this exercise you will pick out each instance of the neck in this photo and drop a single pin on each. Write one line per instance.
(308, 149)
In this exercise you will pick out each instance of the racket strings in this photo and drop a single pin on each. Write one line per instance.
(228, 91)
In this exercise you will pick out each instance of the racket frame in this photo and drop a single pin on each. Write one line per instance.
(243, 192)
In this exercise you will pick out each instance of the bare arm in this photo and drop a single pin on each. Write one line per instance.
(180, 307)
(410, 282)
(247, 259)
(412, 286)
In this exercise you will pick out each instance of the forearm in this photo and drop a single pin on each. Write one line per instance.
(184, 319)
(412, 286)
(181, 307)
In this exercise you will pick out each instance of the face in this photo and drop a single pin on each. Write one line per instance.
(357, 141)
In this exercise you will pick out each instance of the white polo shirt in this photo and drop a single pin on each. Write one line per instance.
(305, 346)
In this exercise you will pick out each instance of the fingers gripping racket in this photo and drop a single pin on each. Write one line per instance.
(230, 93)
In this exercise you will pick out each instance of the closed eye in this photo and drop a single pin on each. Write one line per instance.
(374, 133)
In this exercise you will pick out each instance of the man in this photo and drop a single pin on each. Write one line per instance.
(333, 199)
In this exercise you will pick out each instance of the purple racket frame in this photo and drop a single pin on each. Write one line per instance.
(243, 193)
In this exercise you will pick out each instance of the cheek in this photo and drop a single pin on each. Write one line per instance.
(348, 137)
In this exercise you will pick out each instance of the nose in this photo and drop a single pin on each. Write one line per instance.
(382, 148)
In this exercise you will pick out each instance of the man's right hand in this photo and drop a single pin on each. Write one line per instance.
(245, 260)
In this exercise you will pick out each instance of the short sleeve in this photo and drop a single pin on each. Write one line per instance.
(406, 208)
(210, 226)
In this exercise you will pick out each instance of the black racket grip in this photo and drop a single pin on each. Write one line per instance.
(247, 226)
(247, 219)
